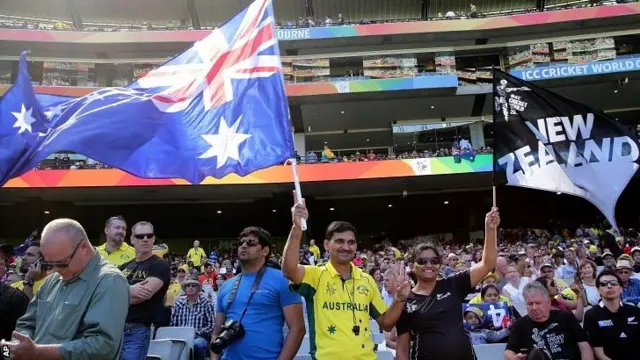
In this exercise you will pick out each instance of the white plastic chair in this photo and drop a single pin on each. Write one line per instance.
(385, 355)
(490, 351)
(159, 350)
(305, 346)
(181, 339)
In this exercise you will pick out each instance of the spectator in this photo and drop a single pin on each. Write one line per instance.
(587, 278)
(34, 274)
(13, 304)
(149, 278)
(79, 314)
(115, 250)
(260, 300)
(196, 255)
(431, 318)
(339, 333)
(613, 328)
(630, 286)
(557, 334)
(314, 249)
(208, 280)
(196, 311)
(175, 288)
(515, 285)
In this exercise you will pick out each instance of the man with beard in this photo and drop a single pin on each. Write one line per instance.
(259, 298)
(612, 326)
(31, 267)
(115, 250)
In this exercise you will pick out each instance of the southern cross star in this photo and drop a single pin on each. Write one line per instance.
(24, 119)
(224, 144)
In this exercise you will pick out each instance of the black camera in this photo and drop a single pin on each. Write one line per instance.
(230, 331)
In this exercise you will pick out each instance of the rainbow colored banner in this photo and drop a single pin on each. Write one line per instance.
(306, 89)
(332, 32)
(272, 175)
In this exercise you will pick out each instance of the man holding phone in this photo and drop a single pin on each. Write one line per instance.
(34, 274)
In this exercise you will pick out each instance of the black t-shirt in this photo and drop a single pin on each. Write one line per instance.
(13, 304)
(151, 311)
(435, 321)
(557, 338)
(617, 333)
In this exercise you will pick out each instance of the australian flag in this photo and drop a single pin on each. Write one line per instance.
(218, 108)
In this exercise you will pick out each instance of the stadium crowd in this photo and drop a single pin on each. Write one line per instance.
(310, 19)
(429, 297)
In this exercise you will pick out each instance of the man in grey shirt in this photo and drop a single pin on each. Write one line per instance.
(78, 313)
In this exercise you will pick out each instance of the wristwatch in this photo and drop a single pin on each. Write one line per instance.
(27, 283)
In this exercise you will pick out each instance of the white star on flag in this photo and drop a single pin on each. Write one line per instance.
(225, 143)
(54, 111)
(24, 119)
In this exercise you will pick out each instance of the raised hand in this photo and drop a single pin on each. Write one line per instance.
(492, 219)
(401, 281)
(298, 211)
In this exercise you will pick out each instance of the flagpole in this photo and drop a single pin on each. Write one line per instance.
(296, 184)
(493, 154)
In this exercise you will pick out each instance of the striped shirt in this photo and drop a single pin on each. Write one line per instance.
(200, 315)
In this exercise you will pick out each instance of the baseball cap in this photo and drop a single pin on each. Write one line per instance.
(637, 248)
(607, 253)
(546, 265)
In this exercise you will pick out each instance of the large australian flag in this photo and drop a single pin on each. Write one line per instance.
(218, 108)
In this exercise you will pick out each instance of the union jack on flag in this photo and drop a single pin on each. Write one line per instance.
(218, 108)
(244, 48)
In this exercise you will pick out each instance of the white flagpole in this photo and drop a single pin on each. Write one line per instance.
(296, 184)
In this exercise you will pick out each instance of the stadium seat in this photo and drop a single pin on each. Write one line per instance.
(302, 357)
(305, 346)
(181, 339)
(159, 350)
(490, 351)
(385, 355)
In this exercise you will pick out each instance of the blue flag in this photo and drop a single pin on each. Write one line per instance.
(218, 108)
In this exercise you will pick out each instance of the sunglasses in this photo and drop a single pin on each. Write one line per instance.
(430, 261)
(143, 236)
(47, 265)
(604, 283)
(249, 242)
(190, 285)
(623, 272)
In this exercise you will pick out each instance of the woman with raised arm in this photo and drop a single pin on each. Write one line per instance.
(432, 318)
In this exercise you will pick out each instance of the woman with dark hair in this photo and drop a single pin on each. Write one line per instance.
(377, 276)
(491, 294)
(431, 319)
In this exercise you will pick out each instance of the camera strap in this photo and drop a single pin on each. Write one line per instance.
(254, 288)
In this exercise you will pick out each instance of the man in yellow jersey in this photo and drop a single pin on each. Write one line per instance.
(314, 249)
(115, 250)
(196, 255)
(341, 298)
(34, 274)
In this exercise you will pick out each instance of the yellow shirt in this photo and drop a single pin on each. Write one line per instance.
(315, 251)
(36, 285)
(118, 256)
(331, 307)
(478, 300)
(196, 255)
(160, 250)
(172, 293)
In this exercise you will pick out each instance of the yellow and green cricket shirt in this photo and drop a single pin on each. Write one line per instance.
(334, 306)
(117, 257)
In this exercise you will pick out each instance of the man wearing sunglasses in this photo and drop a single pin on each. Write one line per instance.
(80, 312)
(149, 277)
(613, 326)
(264, 293)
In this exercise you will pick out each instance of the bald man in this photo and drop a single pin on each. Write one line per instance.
(80, 310)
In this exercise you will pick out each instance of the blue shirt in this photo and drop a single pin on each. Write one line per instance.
(631, 292)
(264, 319)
